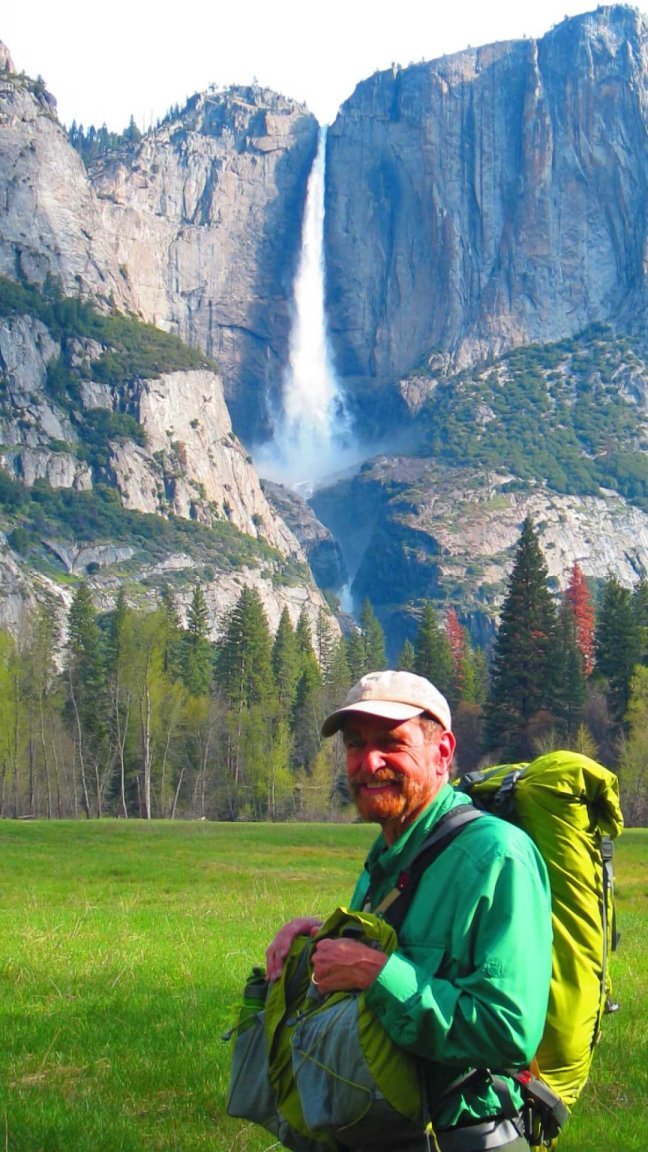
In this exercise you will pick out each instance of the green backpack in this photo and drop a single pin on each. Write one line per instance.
(569, 806)
(322, 1072)
(319, 1071)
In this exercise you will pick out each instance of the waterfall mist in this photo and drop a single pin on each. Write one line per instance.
(312, 433)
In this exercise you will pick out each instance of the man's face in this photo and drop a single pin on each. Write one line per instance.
(394, 770)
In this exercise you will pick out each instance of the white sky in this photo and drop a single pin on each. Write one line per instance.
(103, 62)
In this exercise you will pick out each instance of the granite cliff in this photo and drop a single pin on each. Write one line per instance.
(488, 200)
(196, 228)
(164, 446)
(203, 219)
(194, 231)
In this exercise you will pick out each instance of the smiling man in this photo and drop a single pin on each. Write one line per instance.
(467, 988)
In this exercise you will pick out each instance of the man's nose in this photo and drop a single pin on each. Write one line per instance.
(372, 760)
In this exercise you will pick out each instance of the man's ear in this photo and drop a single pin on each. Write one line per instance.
(447, 745)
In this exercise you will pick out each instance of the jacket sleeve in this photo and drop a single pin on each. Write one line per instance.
(469, 983)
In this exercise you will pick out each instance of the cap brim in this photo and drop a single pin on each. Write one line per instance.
(386, 709)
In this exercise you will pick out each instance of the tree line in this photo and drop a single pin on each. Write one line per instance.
(140, 716)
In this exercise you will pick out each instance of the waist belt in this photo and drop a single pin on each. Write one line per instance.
(479, 1137)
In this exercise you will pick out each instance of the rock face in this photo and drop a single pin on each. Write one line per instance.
(197, 228)
(204, 220)
(190, 464)
(50, 224)
(322, 550)
(429, 531)
(489, 199)
(37, 440)
(23, 588)
(193, 464)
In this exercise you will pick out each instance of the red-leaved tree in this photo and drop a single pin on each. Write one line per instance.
(579, 598)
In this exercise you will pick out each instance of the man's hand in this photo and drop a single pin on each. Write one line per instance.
(342, 965)
(277, 951)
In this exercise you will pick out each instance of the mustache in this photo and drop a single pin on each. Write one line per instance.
(374, 778)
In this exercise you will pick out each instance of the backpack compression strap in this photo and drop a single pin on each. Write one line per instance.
(395, 905)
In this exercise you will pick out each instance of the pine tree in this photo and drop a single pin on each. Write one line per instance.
(197, 650)
(617, 645)
(308, 697)
(582, 606)
(325, 642)
(570, 671)
(338, 678)
(244, 658)
(433, 658)
(474, 685)
(356, 655)
(373, 638)
(304, 634)
(523, 671)
(87, 694)
(407, 658)
(286, 664)
(119, 689)
(174, 639)
(457, 644)
(640, 610)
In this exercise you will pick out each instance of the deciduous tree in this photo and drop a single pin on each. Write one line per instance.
(581, 603)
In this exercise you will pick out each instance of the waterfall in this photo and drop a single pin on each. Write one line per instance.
(311, 433)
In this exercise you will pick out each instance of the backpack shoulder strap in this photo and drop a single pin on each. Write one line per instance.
(395, 905)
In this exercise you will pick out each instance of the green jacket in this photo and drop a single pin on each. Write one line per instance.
(469, 983)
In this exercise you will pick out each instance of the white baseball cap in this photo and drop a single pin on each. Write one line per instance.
(397, 696)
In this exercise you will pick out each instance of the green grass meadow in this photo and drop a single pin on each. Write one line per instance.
(123, 950)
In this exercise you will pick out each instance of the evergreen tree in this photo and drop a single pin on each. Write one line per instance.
(244, 658)
(197, 661)
(174, 639)
(407, 658)
(617, 645)
(640, 610)
(286, 664)
(570, 671)
(580, 600)
(114, 624)
(119, 689)
(308, 711)
(338, 677)
(325, 642)
(355, 654)
(373, 639)
(433, 658)
(308, 697)
(304, 634)
(523, 671)
(87, 695)
(474, 681)
(244, 673)
(457, 644)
